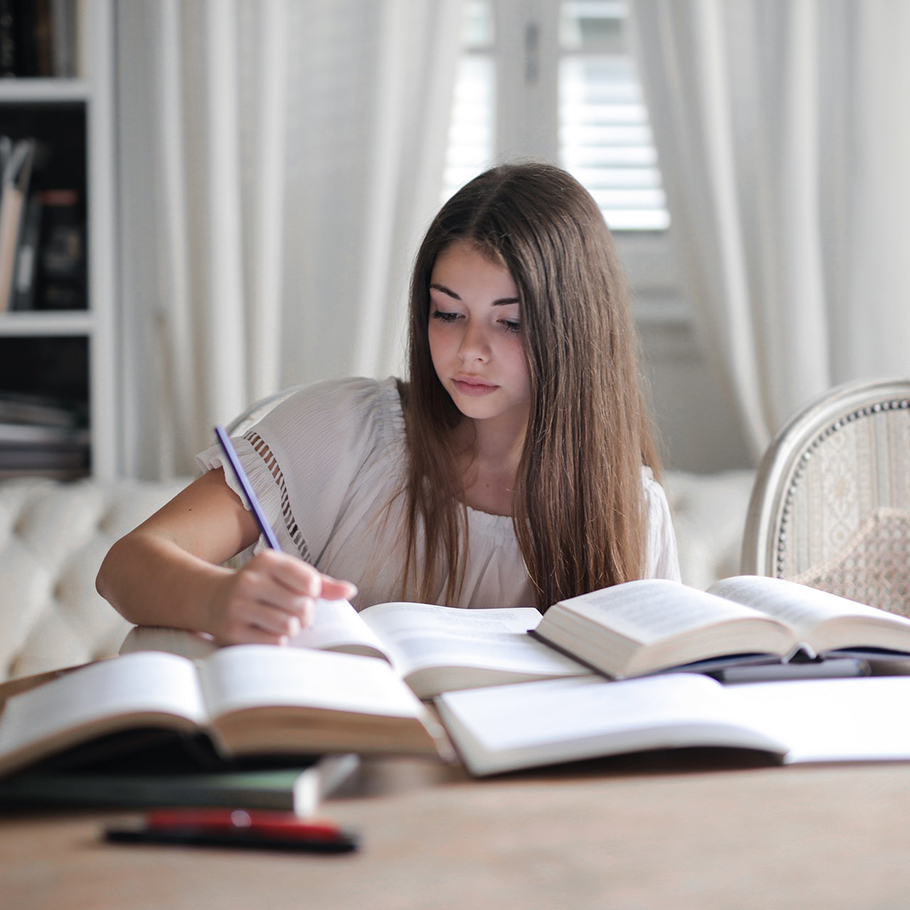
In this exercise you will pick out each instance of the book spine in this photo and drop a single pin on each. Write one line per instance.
(63, 27)
(8, 40)
(43, 38)
(12, 211)
(27, 257)
(61, 279)
(8, 217)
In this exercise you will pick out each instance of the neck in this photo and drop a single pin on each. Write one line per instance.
(493, 445)
(488, 460)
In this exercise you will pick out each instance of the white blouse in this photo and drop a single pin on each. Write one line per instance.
(327, 463)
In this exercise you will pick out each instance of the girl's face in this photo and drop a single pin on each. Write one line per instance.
(476, 338)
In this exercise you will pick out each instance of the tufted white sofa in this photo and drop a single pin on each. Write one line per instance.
(53, 537)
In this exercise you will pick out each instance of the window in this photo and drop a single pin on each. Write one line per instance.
(471, 131)
(556, 81)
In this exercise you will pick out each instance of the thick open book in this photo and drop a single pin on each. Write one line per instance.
(645, 626)
(534, 724)
(247, 701)
(434, 649)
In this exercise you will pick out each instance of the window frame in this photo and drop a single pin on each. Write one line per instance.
(526, 54)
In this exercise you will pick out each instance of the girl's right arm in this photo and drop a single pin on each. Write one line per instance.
(169, 572)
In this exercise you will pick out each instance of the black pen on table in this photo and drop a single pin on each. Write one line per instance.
(231, 453)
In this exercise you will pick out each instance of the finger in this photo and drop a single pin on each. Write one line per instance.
(333, 589)
(272, 621)
(256, 585)
(302, 578)
(291, 573)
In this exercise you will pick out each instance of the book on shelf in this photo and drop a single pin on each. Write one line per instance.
(16, 159)
(9, 39)
(64, 45)
(651, 625)
(60, 262)
(241, 703)
(509, 728)
(25, 275)
(64, 456)
(434, 649)
(39, 38)
(42, 410)
(299, 787)
(38, 434)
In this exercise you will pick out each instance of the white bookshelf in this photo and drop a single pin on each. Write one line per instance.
(93, 93)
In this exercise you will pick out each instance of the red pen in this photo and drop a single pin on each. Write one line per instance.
(237, 828)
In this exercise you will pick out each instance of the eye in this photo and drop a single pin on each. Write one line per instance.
(444, 315)
(511, 325)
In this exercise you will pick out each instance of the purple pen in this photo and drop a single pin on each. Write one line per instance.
(231, 453)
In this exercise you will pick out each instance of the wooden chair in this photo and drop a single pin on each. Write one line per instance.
(831, 502)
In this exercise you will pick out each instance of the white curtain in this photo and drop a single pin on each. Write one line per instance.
(783, 131)
(280, 160)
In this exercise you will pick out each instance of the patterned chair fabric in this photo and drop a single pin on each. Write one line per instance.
(831, 502)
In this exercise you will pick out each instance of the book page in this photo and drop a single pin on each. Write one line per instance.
(146, 683)
(651, 610)
(337, 625)
(539, 723)
(831, 719)
(252, 676)
(800, 606)
(419, 636)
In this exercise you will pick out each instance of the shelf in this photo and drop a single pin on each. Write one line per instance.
(47, 323)
(43, 91)
(72, 354)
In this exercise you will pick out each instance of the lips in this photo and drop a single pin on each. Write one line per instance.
(473, 386)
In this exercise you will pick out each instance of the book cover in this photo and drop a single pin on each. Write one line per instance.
(298, 788)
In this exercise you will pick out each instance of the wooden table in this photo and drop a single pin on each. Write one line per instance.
(701, 830)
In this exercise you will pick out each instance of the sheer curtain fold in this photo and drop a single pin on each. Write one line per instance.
(296, 153)
(214, 327)
(419, 51)
(172, 325)
(434, 54)
(782, 127)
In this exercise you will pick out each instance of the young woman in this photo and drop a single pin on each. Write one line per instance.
(513, 467)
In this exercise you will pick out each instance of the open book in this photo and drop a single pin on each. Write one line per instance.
(645, 626)
(248, 701)
(434, 649)
(534, 724)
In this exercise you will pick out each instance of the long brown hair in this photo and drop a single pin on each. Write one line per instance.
(578, 507)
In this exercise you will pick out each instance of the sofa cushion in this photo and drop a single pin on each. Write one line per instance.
(53, 537)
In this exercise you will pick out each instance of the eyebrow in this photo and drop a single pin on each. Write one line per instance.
(504, 301)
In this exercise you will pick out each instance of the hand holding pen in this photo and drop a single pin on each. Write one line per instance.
(273, 595)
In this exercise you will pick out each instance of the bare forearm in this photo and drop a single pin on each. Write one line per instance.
(170, 572)
(152, 581)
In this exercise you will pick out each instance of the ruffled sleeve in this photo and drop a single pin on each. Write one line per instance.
(662, 555)
(312, 458)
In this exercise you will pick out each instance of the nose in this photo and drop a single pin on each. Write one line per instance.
(474, 343)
